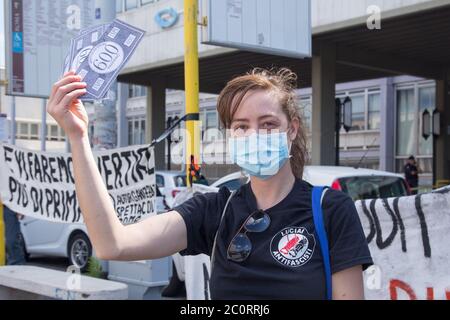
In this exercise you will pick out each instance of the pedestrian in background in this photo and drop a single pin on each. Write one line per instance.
(14, 250)
(412, 174)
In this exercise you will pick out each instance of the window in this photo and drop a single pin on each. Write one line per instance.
(210, 122)
(427, 97)
(142, 132)
(358, 112)
(179, 181)
(406, 124)
(160, 181)
(412, 100)
(144, 2)
(119, 6)
(136, 131)
(374, 111)
(23, 130)
(305, 108)
(54, 135)
(373, 187)
(137, 91)
(131, 4)
(34, 134)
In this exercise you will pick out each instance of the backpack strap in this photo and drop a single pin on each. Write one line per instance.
(317, 196)
(213, 252)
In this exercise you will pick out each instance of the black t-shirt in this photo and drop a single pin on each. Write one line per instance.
(277, 268)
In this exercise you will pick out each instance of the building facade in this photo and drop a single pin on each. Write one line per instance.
(405, 97)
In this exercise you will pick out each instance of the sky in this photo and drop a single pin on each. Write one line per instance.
(2, 36)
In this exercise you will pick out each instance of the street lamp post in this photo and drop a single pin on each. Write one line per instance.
(343, 118)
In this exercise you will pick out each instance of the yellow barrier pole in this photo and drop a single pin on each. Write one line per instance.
(191, 73)
(2, 238)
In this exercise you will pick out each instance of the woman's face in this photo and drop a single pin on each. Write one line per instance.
(260, 112)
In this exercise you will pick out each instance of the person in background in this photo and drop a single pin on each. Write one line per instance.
(14, 250)
(412, 174)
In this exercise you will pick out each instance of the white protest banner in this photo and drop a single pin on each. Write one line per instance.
(409, 239)
(41, 184)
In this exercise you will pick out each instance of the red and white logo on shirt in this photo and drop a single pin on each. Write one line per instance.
(293, 246)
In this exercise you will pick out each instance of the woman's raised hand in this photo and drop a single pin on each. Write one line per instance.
(66, 108)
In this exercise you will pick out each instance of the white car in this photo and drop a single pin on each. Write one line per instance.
(357, 183)
(49, 239)
(170, 183)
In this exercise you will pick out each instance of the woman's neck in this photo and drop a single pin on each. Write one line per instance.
(270, 192)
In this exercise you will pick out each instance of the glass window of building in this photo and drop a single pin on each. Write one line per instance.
(358, 112)
(427, 98)
(131, 4)
(119, 6)
(406, 123)
(34, 131)
(144, 2)
(412, 101)
(374, 111)
(136, 91)
(136, 131)
(142, 132)
(305, 108)
(54, 135)
(209, 119)
(23, 130)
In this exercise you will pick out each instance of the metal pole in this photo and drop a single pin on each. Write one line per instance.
(105, 133)
(122, 115)
(191, 72)
(169, 145)
(338, 129)
(44, 125)
(2, 238)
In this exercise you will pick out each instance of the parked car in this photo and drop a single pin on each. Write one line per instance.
(44, 238)
(170, 183)
(357, 183)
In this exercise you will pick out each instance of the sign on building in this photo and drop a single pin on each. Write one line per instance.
(279, 27)
(38, 34)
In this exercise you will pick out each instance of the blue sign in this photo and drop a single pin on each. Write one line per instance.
(17, 42)
(166, 18)
(98, 13)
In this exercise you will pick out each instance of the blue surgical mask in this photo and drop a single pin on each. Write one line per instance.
(260, 155)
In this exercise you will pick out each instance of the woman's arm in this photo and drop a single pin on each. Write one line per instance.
(348, 284)
(154, 237)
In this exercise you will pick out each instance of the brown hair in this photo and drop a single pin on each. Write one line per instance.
(282, 82)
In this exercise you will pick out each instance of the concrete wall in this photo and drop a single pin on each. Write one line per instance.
(159, 47)
(165, 47)
(344, 12)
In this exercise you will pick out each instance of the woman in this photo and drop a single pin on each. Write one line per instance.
(281, 260)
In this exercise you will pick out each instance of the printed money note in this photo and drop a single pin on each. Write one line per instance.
(107, 58)
(83, 44)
